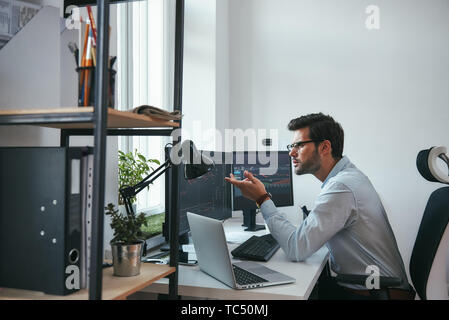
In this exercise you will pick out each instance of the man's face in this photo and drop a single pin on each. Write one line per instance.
(305, 157)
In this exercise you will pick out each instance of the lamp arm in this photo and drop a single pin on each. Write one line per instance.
(128, 192)
(128, 205)
(145, 182)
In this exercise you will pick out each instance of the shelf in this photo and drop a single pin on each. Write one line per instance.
(114, 288)
(80, 118)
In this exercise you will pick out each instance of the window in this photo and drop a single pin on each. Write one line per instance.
(145, 65)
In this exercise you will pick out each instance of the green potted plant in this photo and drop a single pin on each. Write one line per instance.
(132, 168)
(127, 242)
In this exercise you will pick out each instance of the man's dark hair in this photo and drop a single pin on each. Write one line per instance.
(321, 127)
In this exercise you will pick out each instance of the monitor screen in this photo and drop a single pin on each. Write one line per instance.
(274, 169)
(208, 195)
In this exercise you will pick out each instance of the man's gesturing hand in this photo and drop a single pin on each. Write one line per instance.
(252, 188)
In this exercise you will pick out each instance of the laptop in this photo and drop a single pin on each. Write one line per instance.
(214, 259)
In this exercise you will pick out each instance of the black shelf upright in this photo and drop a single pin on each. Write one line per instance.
(100, 125)
(174, 207)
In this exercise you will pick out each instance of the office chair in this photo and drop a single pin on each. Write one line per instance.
(428, 263)
(429, 256)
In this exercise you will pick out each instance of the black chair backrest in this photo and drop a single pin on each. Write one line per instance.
(431, 229)
(433, 225)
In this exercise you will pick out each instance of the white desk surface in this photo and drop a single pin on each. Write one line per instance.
(192, 282)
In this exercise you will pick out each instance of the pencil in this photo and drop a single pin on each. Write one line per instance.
(94, 55)
(92, 21)
(82, 74)
(86, 38)
(88, 73)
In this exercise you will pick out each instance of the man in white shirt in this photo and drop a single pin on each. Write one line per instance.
(348, 216)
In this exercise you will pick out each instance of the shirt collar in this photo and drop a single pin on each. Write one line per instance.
(340, 165)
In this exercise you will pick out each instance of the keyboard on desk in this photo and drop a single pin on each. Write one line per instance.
(257, 248)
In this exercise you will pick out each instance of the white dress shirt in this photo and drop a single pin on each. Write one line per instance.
(350, 220)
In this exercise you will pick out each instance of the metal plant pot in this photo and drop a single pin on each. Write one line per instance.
(126, 259)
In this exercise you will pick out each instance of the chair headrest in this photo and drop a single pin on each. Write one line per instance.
(427, 165)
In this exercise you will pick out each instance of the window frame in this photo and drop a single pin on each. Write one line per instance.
(128, 96)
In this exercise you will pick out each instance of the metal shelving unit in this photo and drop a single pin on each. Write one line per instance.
(99, 120)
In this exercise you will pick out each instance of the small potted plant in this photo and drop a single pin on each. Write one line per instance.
(127, 241)
(132, 168)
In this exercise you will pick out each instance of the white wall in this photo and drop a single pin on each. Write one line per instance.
(29, 77)
(199, 70)
(206, 72)
(222, 115)
(387, 87)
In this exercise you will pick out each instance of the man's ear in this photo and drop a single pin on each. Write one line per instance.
(326, 147)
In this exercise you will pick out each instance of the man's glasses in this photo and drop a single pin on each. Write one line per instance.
(300, 144)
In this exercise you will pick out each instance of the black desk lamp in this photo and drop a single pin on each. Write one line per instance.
(195, 165)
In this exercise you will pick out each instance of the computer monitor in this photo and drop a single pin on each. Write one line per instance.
(274, 169)
(208, 195)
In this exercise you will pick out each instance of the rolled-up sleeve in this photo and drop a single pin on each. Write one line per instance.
(335, 209)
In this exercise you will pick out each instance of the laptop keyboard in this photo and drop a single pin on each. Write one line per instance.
(243, 277)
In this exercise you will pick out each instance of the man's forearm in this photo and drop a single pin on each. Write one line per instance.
(295, 246)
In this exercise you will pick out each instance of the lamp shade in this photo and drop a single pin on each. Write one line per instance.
(195, 163)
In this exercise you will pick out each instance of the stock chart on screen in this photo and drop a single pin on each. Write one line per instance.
(278, 181)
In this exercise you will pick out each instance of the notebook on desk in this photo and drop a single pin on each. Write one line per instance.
(213, 258)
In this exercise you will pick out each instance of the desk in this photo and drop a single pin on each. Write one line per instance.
(195, 283)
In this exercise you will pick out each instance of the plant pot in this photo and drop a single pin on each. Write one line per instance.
(126, 258)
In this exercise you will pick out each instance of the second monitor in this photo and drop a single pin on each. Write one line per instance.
(273, 169)
(208, 195)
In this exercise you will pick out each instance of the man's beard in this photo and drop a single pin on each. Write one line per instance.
(312, 165)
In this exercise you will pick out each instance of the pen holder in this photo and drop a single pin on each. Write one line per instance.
(86, 87)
